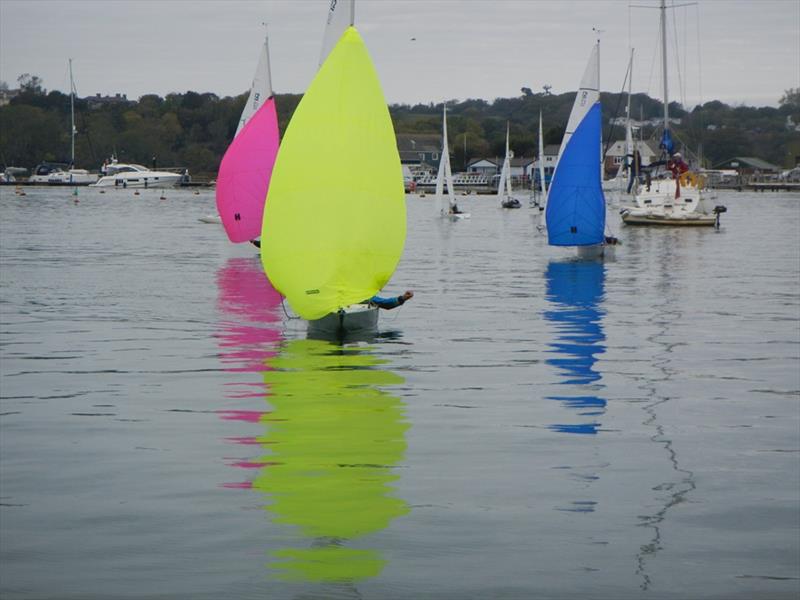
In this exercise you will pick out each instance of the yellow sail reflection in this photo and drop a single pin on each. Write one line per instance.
(335, 219)
(336, 439)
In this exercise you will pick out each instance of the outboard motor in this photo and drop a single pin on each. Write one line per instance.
(718, 210)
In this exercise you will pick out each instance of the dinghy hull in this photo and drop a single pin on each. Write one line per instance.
(356, 318)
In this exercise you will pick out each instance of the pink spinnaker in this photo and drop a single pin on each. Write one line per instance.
(244, 174)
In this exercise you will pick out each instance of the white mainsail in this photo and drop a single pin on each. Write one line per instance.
(504, 186)
(541, 161)
(444, 175)
(341, 15)
(588, 94)
(261, 89)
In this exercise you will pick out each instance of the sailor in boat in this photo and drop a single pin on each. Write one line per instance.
(392, 302)
(676, 165)
(454, 210)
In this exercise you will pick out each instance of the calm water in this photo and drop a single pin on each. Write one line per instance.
(526, 427)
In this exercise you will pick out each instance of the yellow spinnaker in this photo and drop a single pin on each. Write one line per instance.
(335, 218)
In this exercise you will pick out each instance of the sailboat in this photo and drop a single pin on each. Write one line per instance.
(618, 185)
(246, 167)
(331, 241)
(669, 200)
(71, 176)
(576, 208)
(445, 176)
(542, 181)
(504, 186)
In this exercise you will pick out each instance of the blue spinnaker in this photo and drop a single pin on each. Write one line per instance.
(576, 211)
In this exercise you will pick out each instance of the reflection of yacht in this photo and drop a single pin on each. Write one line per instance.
(575, 289)
(127, 175)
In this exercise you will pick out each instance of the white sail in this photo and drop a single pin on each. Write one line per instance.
(541, 161)
(444, 175)
(341, 15)
(504, 186)
(588, 94)
(261, 89)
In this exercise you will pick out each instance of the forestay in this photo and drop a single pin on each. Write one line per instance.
(333, 236)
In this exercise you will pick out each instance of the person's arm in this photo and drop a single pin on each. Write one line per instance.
(390, 303)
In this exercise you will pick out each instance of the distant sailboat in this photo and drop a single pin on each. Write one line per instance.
(246, 167)
(618, 185)
(504, 186)
(445, 177)
(576, 210)
(330, 242)
(542, 179)
(72, 176)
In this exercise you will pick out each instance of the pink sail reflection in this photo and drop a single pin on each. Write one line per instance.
(252, 330)
(244, 174)
(248, 335)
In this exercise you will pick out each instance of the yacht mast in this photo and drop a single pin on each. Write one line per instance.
(663, 9)
(71, 115)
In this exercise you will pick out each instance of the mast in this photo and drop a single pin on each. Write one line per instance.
(628, 134)
(663, 9)
(71, 116)
(541, 159)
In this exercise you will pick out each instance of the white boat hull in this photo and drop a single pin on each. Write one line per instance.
(153, 179)
(655, 218)
(592, 252)
(356, 318)
(659, 206)
(72, 177)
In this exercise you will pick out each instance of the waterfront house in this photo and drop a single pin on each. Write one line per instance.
(418, 149)
(750, 168)
(550, 160)
(615, 156)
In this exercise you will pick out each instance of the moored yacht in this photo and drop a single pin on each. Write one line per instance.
(127, 175)
(72, 177)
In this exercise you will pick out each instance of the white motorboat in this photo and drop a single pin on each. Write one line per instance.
(72, 177)
(42, 172)
(125, 175)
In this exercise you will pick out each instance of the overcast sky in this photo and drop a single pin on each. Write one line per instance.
(424, 50)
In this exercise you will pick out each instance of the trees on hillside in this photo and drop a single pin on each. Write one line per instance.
(192, 130)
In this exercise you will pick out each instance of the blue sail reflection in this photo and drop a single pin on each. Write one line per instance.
(575, 290)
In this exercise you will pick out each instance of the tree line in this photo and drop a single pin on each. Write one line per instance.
(192, 130)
